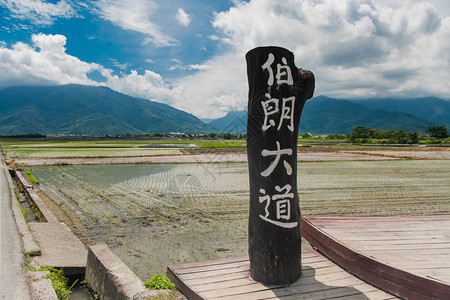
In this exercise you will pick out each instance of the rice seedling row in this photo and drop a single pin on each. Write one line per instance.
(153, 215)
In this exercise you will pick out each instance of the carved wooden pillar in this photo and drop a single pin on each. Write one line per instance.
(277, 93)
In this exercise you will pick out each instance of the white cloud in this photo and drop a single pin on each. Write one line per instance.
(117, 64)
(39, 12)
(46, 62)
(215, 90)
(148, 86)
(182, 17)
(356, 48)
(24, 64)
(177, 64)
(198, 67)
(134, 15)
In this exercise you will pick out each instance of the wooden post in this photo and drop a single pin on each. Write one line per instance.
(277, 93)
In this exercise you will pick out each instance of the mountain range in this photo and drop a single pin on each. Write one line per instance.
(77, 109)
(327, 115)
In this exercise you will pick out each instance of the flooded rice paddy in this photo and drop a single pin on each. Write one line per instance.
(154, 215)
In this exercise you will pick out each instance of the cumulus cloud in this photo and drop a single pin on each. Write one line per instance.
(215, 89)
(148, 86)
(134, 15)
(25, 64)
(39, 12)
(356, 48)
(182, 17)
(46, 62)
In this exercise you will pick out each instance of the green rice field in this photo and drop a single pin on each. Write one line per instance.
(154, 215)
(113, 148)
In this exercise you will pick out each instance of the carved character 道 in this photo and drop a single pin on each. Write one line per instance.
(277, 93)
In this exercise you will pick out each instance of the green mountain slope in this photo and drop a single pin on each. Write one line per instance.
(76, 109)
(233, 122)
(327, 115)
(430, 108)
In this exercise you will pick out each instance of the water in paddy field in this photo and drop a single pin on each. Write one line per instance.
(155, 215)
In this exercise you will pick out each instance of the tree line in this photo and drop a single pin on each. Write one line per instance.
(361, 134)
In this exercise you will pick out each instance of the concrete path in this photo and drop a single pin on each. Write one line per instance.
(13, 284)
(59, 247)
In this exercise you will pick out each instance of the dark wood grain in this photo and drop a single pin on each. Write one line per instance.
(277, 93)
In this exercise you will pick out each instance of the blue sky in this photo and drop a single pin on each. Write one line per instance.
(190, 53)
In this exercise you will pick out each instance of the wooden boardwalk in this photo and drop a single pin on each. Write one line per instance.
(229, 279)
(409, 256)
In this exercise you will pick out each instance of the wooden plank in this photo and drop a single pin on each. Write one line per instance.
(314, 291)
(308, 271)
(303, 281)
(389, 246)
(401, 234)
(209, 262)
(238, 270)
(424, 255)
(396, 281)
(222, 285)
(370, 219)
(397, 237)
(214, 279)
(189, 292)
(358, 264)
(319, 278)
(376, 295)
(214, 267)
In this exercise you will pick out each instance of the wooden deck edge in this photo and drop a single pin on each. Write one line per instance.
(392, 280)
(181, 285)
(219, 261)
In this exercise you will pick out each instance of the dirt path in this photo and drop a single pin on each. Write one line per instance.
(219, 157)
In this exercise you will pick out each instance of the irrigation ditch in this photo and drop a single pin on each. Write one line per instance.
(101, 273)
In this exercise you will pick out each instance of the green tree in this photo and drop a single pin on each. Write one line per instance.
(361, 134)
(437, 132)
(400, 137)
(413, 137)
(227, 136)
(305, 135)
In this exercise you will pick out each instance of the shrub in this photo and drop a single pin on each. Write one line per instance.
(59, 282)
(159, 282)
(31, 177)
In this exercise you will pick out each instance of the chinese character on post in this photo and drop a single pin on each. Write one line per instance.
(277, 93)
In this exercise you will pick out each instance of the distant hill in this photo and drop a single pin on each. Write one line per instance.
(430, 108)
(233, 122)
(327, 115)
(77, 109)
